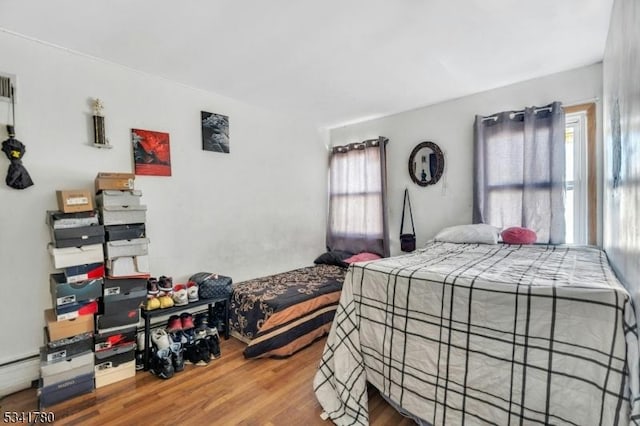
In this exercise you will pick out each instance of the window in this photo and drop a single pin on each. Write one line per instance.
(580, 189)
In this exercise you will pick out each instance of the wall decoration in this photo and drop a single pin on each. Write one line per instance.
(151, 154)
(99, 138)
(215, 132)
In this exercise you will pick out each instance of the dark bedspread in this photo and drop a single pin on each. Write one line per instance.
(254, 301)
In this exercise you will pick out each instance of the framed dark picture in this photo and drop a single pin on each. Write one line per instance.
(215, 132)
(151, 153)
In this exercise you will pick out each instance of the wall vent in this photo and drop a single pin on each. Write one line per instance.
(7, 81)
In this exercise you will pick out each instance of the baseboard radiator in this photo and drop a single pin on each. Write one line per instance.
(19, 374)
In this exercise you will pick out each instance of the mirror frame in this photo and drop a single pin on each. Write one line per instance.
(440, 157)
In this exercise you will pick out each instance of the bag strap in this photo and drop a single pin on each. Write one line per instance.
(404, 206)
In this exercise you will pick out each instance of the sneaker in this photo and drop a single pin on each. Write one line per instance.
(140, 341)
(194, 354)
(200, 334)
(165, 302)
(201, 320)
(139, 360)
(152, 286)
(160, 338)
(174, 324)
(152, 303)
(187, 336)
(187, 320)
(202, 349)
(162, 364)
(213, 340)
(180, 297)
(165, 284)
(177, 357)
(192, 291)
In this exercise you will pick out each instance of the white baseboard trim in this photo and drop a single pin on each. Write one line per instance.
(19, 375)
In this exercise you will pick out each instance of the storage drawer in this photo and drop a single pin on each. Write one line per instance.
(73, 256)
(76, 237)
(66, 369)
(126, 302)
(75, 310)
(121, 320)
(112, 339)
(121, 248)
(122, 215)
(108, 375)
(130, 231)
(113, 357)
(64, 292)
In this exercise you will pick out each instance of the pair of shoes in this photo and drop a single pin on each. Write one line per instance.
(178, 323)
(213, 341)
(162, 364)
(197, 353)
(165, 302)
(192, 291)
(139, 360)
(160, 338)
(201, 320)
(177, 357)
(152, 303)
(165, 284)
(180, 295)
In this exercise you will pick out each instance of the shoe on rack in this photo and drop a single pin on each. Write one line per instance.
(202, 349)
(177, 357)
(140, 341)
(180, 296)
(174, 324)
(165, 302)
(139, 360)
(162, 365)
(152, 286)
(160, 338)
(187, 320)
(152, 303)
(200, 334)
(213, 341)
(192, 291)
(165, 284)
(201, 320)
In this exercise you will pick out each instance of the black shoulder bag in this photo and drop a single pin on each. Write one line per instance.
(407, 241)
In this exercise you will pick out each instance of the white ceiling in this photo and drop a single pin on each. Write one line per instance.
(337, 61)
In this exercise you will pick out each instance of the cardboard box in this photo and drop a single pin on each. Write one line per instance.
(74, 256)
(130, 231)
(76, 309)
(61, 371)
(122, 215)
(67, 328)
(114, 287)
(114, 181)
(57, 350)
(108, 375)
(78, 273)
(50, 395)
(113, 339)
(121, 248)
(119, 198)
(75, 200)
(115, 356)
(60, 220)
(64, 292)
(128, 267)
(76, 237)
(119, 321)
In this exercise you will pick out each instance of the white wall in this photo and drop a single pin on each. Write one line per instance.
(255, 211)
(450, 125)
(622, 203)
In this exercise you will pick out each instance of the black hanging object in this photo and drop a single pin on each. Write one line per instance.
(17, 176)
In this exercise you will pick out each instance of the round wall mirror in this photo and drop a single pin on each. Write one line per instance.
(426, 163)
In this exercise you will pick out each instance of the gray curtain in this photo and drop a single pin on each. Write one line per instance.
(519, 171)
(358, 198)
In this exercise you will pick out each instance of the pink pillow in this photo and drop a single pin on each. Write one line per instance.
(362, 257)
(518, 235)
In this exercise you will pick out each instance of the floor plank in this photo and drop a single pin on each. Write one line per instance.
(229, 391)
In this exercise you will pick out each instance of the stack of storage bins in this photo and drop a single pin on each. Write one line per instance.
(127, 270)
(67, 358)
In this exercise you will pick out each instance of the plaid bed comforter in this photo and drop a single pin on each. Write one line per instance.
(485, 334)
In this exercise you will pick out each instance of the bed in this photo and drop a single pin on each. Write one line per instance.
(281, 314)
(484, 334)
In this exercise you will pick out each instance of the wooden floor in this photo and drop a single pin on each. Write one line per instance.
(229, 391)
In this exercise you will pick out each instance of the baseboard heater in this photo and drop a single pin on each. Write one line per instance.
(19, 374)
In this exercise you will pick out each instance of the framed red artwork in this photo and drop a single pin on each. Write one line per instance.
(151, 153)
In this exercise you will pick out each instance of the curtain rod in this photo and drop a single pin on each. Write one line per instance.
(494, 117)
